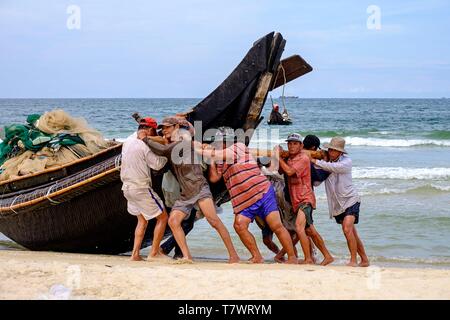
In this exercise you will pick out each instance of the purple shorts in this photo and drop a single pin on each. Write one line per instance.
(262, 207)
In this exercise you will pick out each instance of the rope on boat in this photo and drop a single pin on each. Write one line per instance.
(12, 204)
(117, 161)
(47, 195)
(282, 92)
(111, 163)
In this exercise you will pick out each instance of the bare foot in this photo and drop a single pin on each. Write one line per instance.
(364, 263)
(159, 257)
(136, 258)
(308, 261)
(327, 261)
(352, 264)
(256, 260)
(292, 260)
(279, 259)
(235, 259)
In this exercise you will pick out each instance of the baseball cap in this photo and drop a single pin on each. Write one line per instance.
(294, 137)
(168, 121)
(149, 122)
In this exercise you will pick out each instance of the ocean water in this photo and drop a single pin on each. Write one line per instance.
(401, 155)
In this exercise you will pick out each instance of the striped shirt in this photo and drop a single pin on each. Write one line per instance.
(243, 178)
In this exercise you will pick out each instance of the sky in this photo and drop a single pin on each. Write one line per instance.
(181, 49)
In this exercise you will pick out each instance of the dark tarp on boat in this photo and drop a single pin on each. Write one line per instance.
(229, 103)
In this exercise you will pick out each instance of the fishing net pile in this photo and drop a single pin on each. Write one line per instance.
(45, 141)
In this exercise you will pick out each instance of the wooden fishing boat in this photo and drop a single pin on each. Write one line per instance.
(79, 207)
(287, 122)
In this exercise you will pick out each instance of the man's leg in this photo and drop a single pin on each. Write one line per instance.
(360, 248)
(175, 220)
(241, 226)
(268, 242)
(139, 234)
(171, 243)
(209, 211)
(311, 246)
(187, 226)
(280, 256)
(348, 229)
(300, 224)
(274, 221)
(158, 233)
(318, 241)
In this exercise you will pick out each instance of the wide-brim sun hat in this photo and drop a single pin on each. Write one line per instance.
(336, 143)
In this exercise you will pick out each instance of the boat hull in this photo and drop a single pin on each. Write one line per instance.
(93, 222)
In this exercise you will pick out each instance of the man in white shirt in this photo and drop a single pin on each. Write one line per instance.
(142, 200)
(343, 199)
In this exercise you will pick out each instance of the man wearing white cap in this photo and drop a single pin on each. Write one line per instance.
(297, 168)
(343, 199)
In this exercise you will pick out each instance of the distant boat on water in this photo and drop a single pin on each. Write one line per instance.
(288, 97)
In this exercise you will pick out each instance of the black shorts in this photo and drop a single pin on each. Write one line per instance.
(350, 211)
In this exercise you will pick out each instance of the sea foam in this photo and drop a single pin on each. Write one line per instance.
(377, 142)
(401, 173)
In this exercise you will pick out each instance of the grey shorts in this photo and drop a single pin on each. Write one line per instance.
(186, 206)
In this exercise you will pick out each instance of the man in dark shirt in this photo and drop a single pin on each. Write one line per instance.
(312, 143)
(275, 115)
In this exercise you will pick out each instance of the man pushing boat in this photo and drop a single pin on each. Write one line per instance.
(194, 186)
(343, 199)
(142, 200)
(297, 168)
(251, 193)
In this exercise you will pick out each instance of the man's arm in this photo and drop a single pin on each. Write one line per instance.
(214, 154)
(158, 148)
(154, 161)
(344, 166)
(284, 167)
(213, 174)
(267, 153)
(287, 169)
(158, 139)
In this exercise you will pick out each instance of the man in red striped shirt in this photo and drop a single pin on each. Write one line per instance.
(251, 193)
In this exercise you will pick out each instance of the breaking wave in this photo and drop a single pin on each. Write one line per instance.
(419, 189)
(401, 173)
(376, 142)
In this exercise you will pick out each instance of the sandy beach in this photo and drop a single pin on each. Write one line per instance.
(47, 275)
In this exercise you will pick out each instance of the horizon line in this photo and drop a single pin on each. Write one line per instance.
(286, 97)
